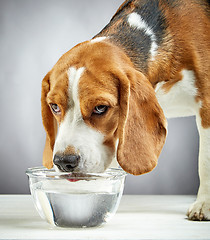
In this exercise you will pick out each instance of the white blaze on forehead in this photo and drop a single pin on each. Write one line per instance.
(74, 77)
(136, 21)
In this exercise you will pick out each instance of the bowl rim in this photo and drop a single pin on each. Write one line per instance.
(42, 172)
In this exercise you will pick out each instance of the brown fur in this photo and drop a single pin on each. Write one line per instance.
(142, 129)
(69, 151)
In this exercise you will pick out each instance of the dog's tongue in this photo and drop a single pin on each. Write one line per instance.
(72, 180)
(74, 177)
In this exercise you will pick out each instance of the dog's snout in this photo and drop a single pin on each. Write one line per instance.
(66, 163)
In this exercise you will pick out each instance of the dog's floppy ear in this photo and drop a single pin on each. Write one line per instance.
(142, 125)
(49, 123)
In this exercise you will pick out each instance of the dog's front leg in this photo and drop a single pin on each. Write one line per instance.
(200, 209)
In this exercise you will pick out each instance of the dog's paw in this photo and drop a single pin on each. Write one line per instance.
(199, 211)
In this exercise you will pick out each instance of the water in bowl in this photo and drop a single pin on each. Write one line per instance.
(83, 209)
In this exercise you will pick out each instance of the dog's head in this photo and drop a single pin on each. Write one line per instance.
(104, 109)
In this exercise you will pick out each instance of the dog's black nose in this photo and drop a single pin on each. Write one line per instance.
(66, 163)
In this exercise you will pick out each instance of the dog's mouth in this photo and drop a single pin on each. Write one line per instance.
(75, 176)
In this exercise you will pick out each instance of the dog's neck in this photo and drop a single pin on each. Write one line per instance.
(138, 32)
(141, 30)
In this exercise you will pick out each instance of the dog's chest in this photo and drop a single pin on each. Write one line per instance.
(180, 99)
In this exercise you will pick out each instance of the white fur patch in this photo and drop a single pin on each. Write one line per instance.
(74, 77)
(98, 39)
(204, 161)
(88, 143)
(136, 21)
(180, 100)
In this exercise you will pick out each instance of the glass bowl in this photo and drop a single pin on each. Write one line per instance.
(75, 199)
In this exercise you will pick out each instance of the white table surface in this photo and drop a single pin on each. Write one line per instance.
(138, 217)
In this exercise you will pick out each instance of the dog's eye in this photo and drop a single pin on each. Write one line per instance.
(99, 110)
(55, 108)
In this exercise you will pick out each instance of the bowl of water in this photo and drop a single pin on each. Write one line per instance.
(74, 199)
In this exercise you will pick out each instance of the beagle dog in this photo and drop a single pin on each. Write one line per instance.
(110, 96)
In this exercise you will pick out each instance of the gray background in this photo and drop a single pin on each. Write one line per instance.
(33, 35)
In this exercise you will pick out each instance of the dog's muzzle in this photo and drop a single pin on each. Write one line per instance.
(66, 163)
